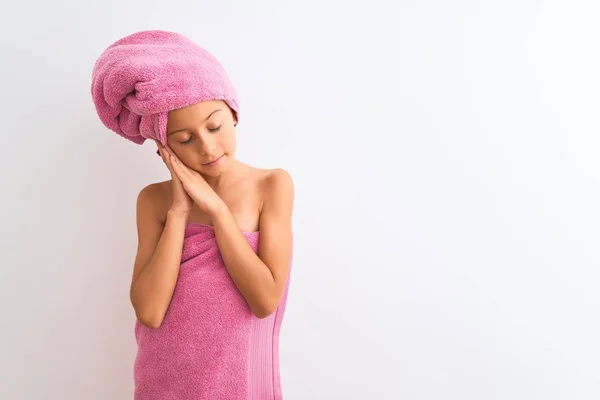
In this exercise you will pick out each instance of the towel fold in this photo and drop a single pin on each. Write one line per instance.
(210, 346)
(139, 78)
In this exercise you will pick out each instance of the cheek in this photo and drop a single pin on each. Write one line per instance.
(229, 143)
(172, 143)
(225, 140)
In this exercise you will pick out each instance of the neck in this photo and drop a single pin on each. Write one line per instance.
(226, 177)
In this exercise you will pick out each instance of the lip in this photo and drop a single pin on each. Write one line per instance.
(214, 163)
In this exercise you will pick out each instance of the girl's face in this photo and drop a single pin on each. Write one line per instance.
(203, 136)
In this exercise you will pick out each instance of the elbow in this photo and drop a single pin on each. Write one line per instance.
(262, 314)
(150, 319)
(150, 322)
(148, 315)
(264, 310)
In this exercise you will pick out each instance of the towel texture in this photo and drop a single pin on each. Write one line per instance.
(138, 79)
(209, 346)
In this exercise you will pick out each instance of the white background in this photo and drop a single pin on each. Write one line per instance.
(447, 171)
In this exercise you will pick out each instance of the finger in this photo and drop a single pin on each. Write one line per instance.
(172, 153)
(179, 172)
(161, 153)
(182, 168)
(176, 167)
(173, 159)
(169, 162)
(182, 171)
(166, 152)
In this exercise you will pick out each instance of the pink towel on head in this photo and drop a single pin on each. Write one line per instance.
(139, 78)
(209, 346)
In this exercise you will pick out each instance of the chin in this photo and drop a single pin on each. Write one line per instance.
(216, 169)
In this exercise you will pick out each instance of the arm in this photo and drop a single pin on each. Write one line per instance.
(157, 261)
(260, 278)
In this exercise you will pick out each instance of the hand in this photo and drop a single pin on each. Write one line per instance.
(195, 185)
(181, 202)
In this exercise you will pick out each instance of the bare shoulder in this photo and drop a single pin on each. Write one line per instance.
(156, 192)
(274, 179)
(275, 184)
(275, 216)
(154, 199)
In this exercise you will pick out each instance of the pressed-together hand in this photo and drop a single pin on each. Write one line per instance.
(194, 184)
(182, 202)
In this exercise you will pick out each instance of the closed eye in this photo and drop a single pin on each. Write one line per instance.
(213, 130)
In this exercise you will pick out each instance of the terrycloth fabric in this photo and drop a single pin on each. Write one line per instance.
(209, 346)
(139, 78)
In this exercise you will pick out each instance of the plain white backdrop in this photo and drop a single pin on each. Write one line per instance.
(447, 171)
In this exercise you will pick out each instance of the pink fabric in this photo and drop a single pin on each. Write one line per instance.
(139, 78)
(209, 346)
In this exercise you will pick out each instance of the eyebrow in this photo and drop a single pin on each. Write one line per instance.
(185, 129)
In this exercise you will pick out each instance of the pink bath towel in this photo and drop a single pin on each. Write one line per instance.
(139, 78)
(210, 346)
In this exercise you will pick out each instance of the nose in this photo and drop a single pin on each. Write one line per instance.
(208, 145)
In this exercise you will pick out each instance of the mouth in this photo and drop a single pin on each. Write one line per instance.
(214, 162)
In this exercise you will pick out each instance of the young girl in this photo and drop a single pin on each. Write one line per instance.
(209, 296)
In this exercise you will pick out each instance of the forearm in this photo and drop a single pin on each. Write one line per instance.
(252, 277)
(153, 289)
